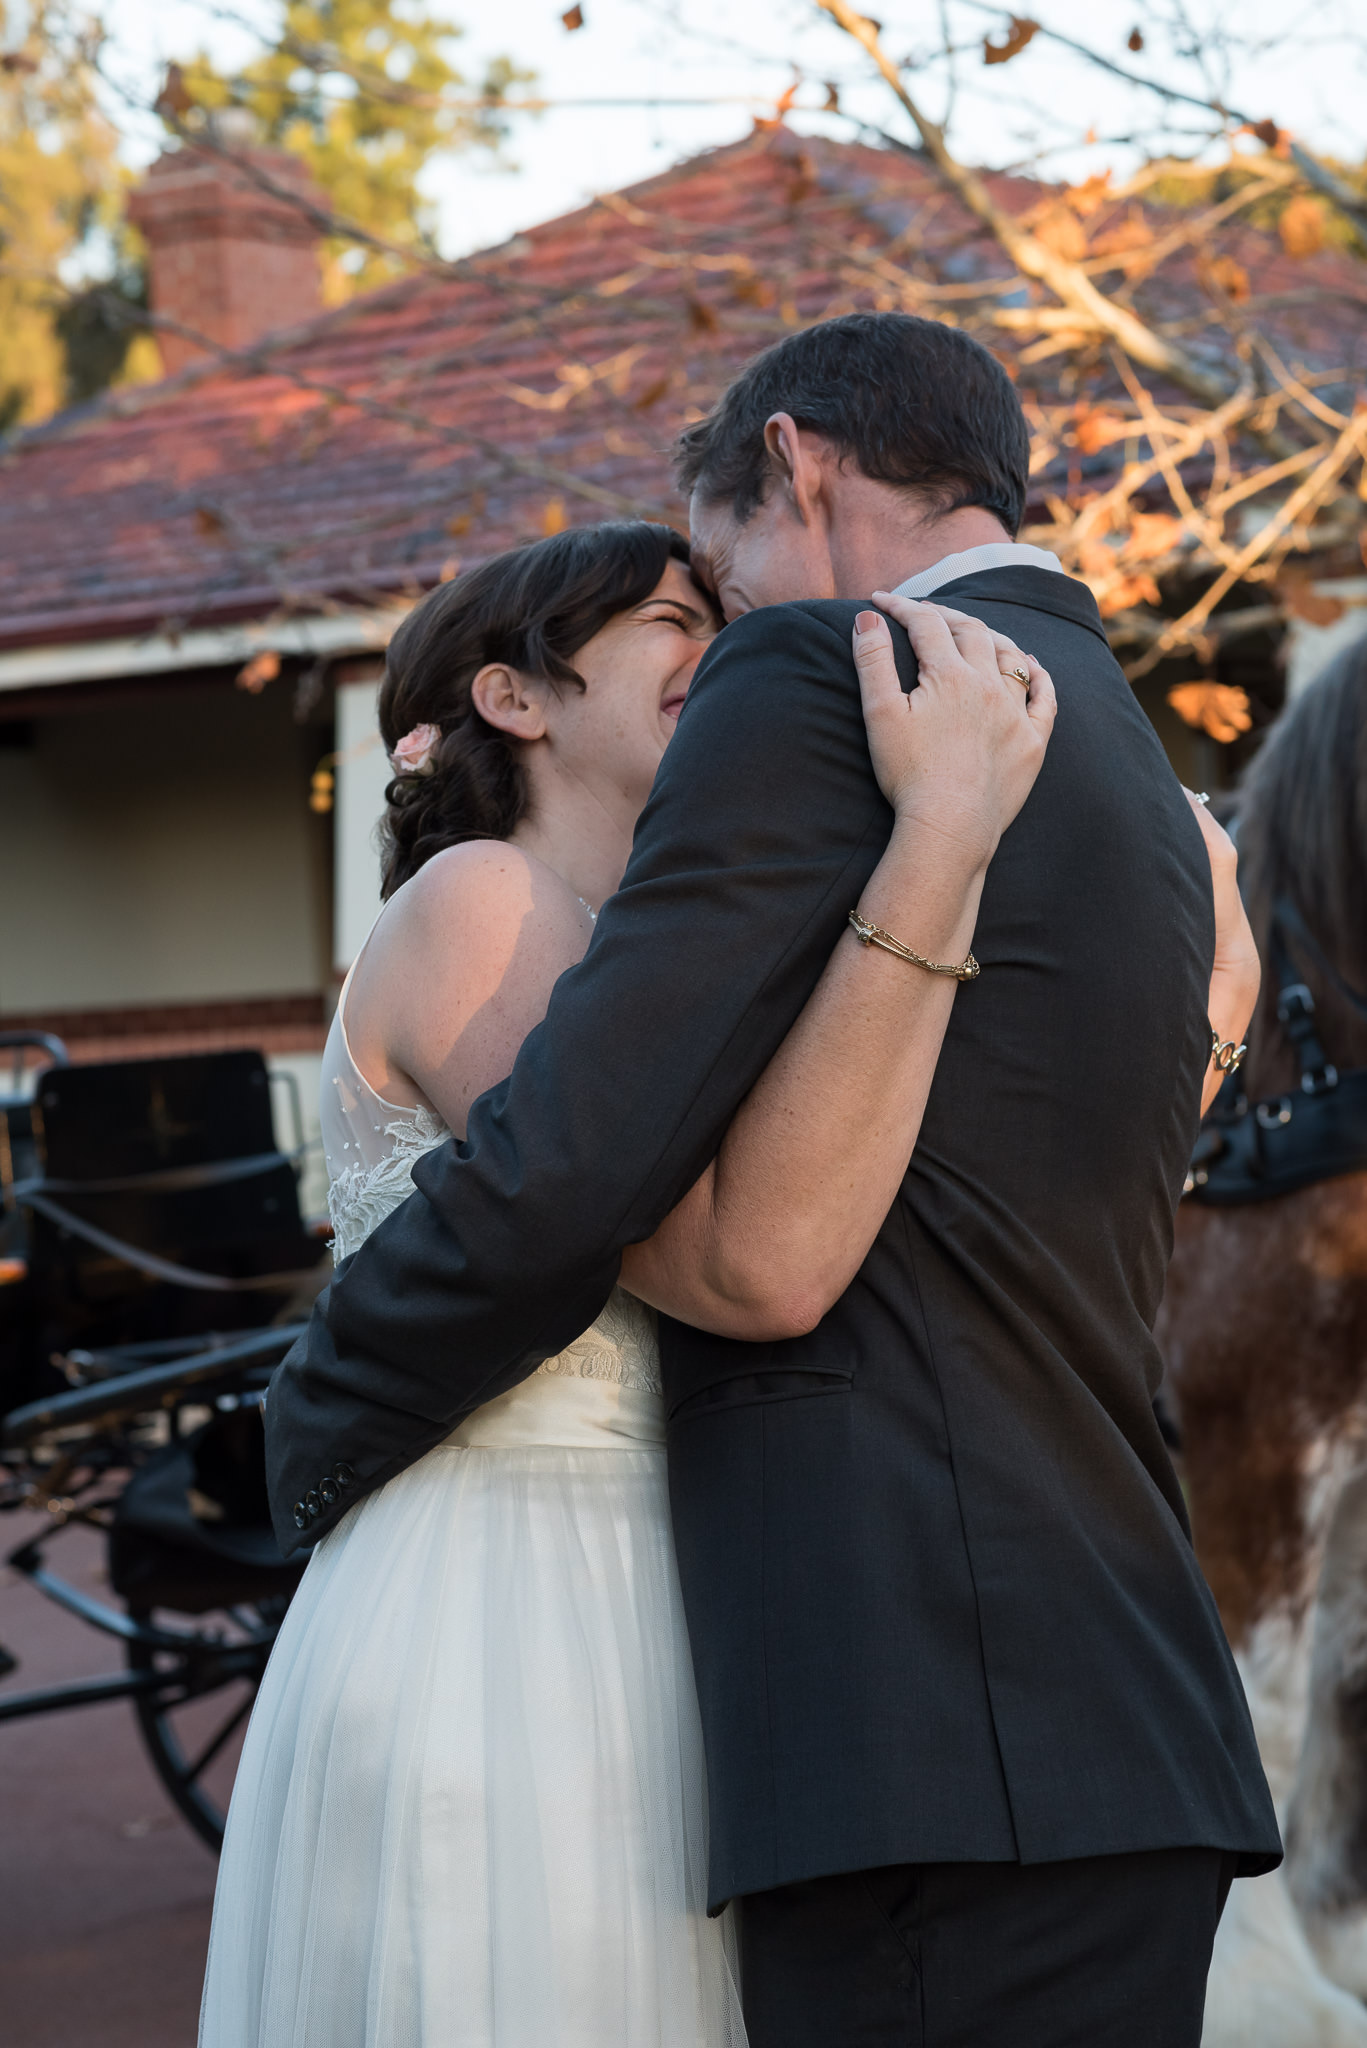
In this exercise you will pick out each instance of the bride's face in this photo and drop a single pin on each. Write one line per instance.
(612, 734)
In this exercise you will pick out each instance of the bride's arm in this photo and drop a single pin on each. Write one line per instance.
(1237, 973)
(778, 1225)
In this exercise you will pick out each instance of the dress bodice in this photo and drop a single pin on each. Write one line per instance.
(371, 1145)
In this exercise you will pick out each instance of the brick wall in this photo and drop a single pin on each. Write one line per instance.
(270, 1024)
(228, 259)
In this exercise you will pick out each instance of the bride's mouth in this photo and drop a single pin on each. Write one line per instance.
(672, 706)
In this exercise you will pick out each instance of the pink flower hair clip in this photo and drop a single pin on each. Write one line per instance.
(413, 754)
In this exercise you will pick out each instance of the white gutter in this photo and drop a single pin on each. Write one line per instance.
(83, 661)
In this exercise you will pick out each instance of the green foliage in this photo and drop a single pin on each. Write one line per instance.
(61, 201)
(98, 330)
(1304, 221)
(365, 93)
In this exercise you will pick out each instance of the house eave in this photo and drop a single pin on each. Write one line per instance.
(333, 634)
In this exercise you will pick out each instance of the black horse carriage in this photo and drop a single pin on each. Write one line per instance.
(153, 1271)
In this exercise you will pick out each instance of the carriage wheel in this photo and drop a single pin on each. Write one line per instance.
(193, 1726)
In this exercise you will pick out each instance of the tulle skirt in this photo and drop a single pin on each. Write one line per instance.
(470, 1811)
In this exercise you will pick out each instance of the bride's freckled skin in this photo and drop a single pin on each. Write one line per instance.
(611, 735)
(518, 911)
(590, 755)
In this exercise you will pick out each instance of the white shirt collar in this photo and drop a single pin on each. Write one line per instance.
(993, 554)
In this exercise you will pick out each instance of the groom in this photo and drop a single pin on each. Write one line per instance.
(980, 1769)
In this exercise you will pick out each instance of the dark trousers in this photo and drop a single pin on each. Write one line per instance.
(1104, 1952)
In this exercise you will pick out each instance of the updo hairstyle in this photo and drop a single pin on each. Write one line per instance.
(532, 608)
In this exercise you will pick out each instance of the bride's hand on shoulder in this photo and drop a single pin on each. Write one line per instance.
(960, 753)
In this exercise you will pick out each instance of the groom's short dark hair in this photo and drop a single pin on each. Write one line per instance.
(908, 401)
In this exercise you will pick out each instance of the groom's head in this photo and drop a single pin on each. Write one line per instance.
(850, 455)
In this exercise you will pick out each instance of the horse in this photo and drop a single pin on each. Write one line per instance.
(1264, 1334)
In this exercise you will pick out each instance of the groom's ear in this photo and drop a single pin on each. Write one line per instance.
(796, 464)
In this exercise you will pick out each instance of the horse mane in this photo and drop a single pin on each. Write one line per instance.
(1302, 834)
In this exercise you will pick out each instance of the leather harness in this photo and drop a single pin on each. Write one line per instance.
(1255, 1151)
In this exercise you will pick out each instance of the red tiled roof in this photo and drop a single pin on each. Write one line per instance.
(441, 417)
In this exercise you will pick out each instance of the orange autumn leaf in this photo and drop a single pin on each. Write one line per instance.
(754, 291)
(1270, 135)
(1301, 226)
(553, 518)
(1098, 429)
(1095, 559)
(1295, 586)
(1126, 592)
(1125, 235)
(254, 675)
(1021, 32)
(1153, 534)
(803, 180)
(1092, 193)
(1062, 231)
(1220, 709)
(1228, 277)
(175, 99)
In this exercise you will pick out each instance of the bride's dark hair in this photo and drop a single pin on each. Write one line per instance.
(533, 608)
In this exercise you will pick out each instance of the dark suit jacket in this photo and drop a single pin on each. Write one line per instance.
(940, 1588)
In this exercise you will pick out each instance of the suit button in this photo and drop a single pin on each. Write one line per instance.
(313, 1504)
(330, 1491)
(344, 1475)
(301, 1515)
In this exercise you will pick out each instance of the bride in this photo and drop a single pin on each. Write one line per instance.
(470, 1811)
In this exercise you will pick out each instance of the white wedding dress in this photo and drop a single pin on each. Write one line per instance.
(471, 1810)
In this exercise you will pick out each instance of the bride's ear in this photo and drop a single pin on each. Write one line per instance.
(514, 703)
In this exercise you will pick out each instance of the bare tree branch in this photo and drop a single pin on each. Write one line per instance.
(1065, 279)
(1315, 488)
(1319, 175)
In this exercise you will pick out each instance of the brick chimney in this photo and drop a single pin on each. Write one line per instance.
(227, 258)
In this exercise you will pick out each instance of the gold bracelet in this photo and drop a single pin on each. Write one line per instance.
(870, 935)
(1225, 1055)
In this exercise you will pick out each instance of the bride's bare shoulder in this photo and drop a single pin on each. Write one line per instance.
(472, 917)
(481, 892)
(458, 970)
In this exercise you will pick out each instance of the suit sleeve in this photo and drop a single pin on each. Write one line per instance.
(764, 823)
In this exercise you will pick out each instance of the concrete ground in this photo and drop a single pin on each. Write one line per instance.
(105, 1893)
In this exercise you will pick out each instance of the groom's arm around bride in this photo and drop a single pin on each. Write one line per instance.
(943, 1602)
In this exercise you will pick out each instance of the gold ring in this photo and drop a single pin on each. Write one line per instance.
(1018, 675)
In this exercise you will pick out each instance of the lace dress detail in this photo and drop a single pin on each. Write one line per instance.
(371, 1147)
(360, 1196)
(622, 1346)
